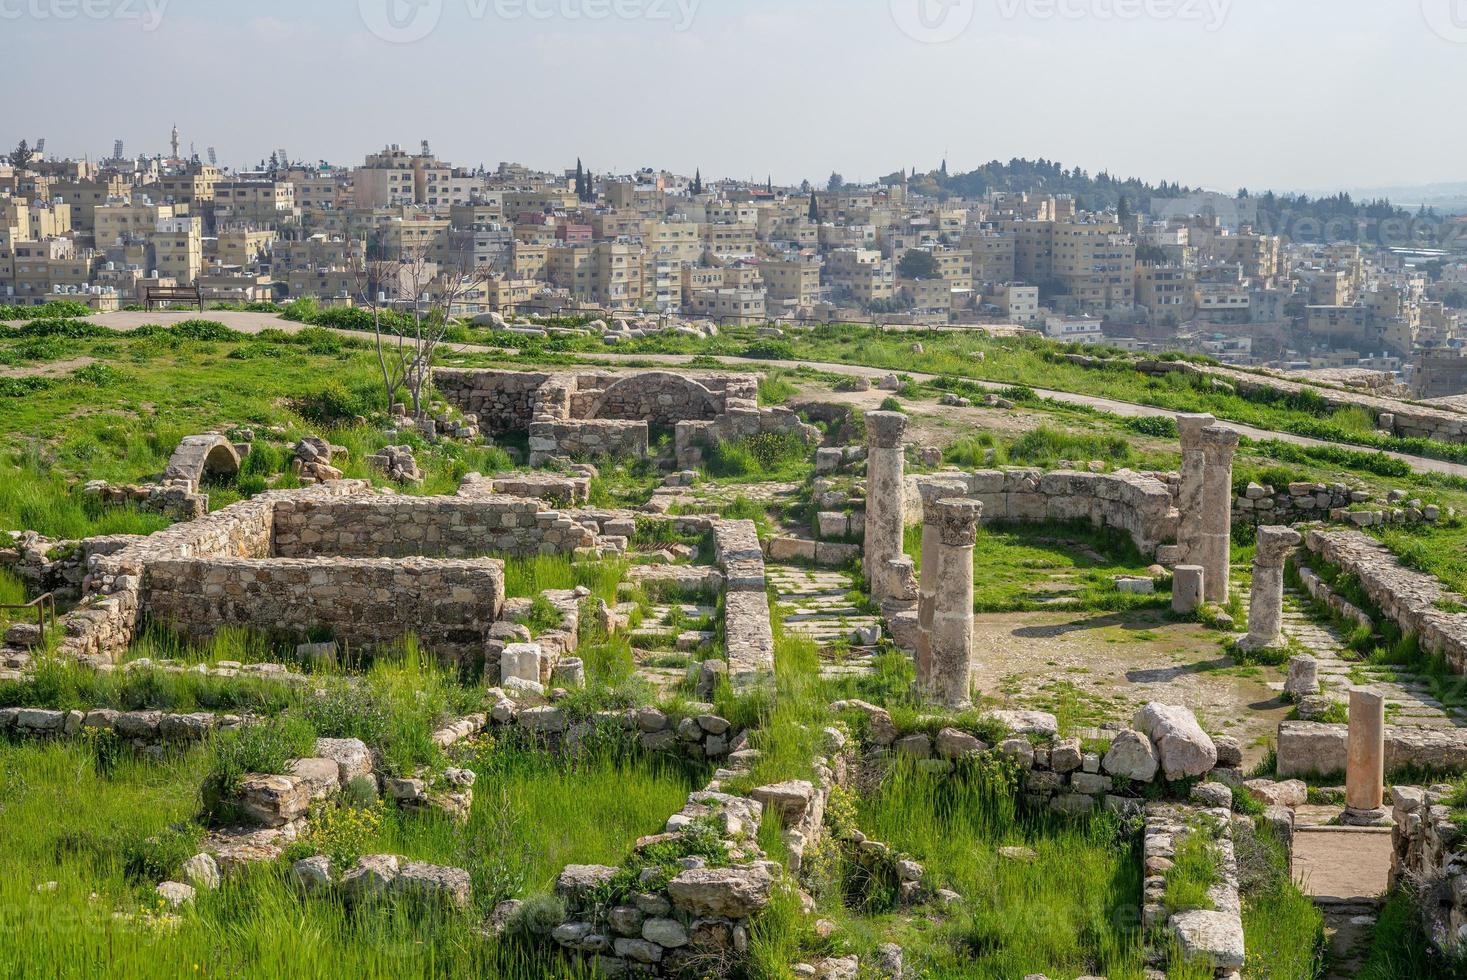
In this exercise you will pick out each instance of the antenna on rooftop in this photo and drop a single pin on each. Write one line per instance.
(213, 158)
(284, 160)
(41, 147)
(426, 152)
(117, 149)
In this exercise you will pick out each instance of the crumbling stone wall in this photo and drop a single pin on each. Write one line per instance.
(504, 401)
(748, 636)
(361, 603)
(1141, 504)
(691, 437)
(449, 527)
(1411, 598)
(595, 439)
(1311, 748)
(1428, 854)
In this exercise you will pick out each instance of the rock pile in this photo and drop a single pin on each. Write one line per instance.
(312, 460)
(398, 463)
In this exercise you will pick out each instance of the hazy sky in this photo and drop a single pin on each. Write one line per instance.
(1223, 93)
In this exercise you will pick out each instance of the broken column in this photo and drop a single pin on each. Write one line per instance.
(1187, 589)
(1189, 496)
(1303, 679)
(950, 659)
(1365, 765)
(1213, 546)
(931, 492)
(1266, 603)
(884, 492)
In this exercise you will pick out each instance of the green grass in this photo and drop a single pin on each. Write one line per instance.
(106, 839)
(1399, 947)
(1023, 567)
(769, 456)
(1069, 912)
(529, 577)
(1194, 871)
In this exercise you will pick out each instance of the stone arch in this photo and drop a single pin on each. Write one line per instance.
(196, 456)
(659, 397)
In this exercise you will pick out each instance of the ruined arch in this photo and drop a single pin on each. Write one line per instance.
(196, 456)
(660, 397)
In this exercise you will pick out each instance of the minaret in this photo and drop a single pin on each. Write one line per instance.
(175, 141)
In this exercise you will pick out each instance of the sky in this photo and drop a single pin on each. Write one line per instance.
(1282, 94)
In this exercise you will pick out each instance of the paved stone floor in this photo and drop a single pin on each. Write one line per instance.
(1345, 871)
(817, 603)
(1408, 697)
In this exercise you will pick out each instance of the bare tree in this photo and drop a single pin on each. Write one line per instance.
(432, 295)
(377, 282)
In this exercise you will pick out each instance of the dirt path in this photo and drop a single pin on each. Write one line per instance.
(1098, 667)
(255, 322)
(50, 369)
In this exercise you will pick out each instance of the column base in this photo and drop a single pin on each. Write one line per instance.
(1365, 818)
(1253, 644)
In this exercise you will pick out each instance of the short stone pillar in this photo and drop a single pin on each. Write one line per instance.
(1189, 496)
(1213, 548)
(1365, 768)
(1187, 587)
(1303, 679)
(1266, 604)
(950, 660)
(932, 492)
(885, 520)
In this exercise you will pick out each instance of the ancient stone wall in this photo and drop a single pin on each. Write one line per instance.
(360, 603)
(1140, 504)
(1412, 599)
(448, 527)
(1428, 855)
(1311, 748)
(595, 439)
(692, 437)
(504, 401)
(748, 636)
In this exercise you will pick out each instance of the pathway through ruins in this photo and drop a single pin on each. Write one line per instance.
(1409, 700)
(1345, 870)
(825, 605)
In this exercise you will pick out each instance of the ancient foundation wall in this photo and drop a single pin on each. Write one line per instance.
(503, 400)
(595, 439)
(691, 437)
(1408, 597)
(1310, 748)
(1139, 504)
(1427, 854)
(748, 636)
(360, 603)
(448, 527)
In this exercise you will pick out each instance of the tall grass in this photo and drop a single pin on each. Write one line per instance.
(529, 577)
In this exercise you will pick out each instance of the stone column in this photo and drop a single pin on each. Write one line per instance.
(885, 520)
(1187, 588)
(1213, 547)
(950, 659)
(1189, 497)
(931, 492)
(1266, 604)
(1303, 679)
(1365, 772)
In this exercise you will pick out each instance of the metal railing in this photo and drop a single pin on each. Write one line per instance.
(40, 604)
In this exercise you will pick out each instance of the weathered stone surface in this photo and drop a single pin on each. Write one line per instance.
(576, 880)
(789, 801)
(312, 875)
(201, 871)
(667, 933)
(372, 877)
(175, 893)
(1182, 747)
(955, 744)
(273, 801)
(430, 882)
(1210, 935)
(732, 893)
(1132, 756)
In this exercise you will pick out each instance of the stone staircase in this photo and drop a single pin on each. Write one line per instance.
(817, 603)
(1408, 696)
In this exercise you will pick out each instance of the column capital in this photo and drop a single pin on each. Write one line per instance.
(957, 521)
(933, 491)
(1274, 545)
(1189, 428)
(1218, 441)
(884, 430)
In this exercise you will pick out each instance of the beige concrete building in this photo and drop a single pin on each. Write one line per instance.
(178, 248)
(792, 279)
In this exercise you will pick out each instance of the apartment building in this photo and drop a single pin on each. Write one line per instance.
(1168, 293)
(178, 248)
(1015, 301)
(792, 279)
(260, 203)
(245, 247)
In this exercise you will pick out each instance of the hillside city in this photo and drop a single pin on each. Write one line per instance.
(1238, 278)
(993, 571)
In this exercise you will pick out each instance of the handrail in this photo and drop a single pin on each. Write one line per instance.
(40, 604)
